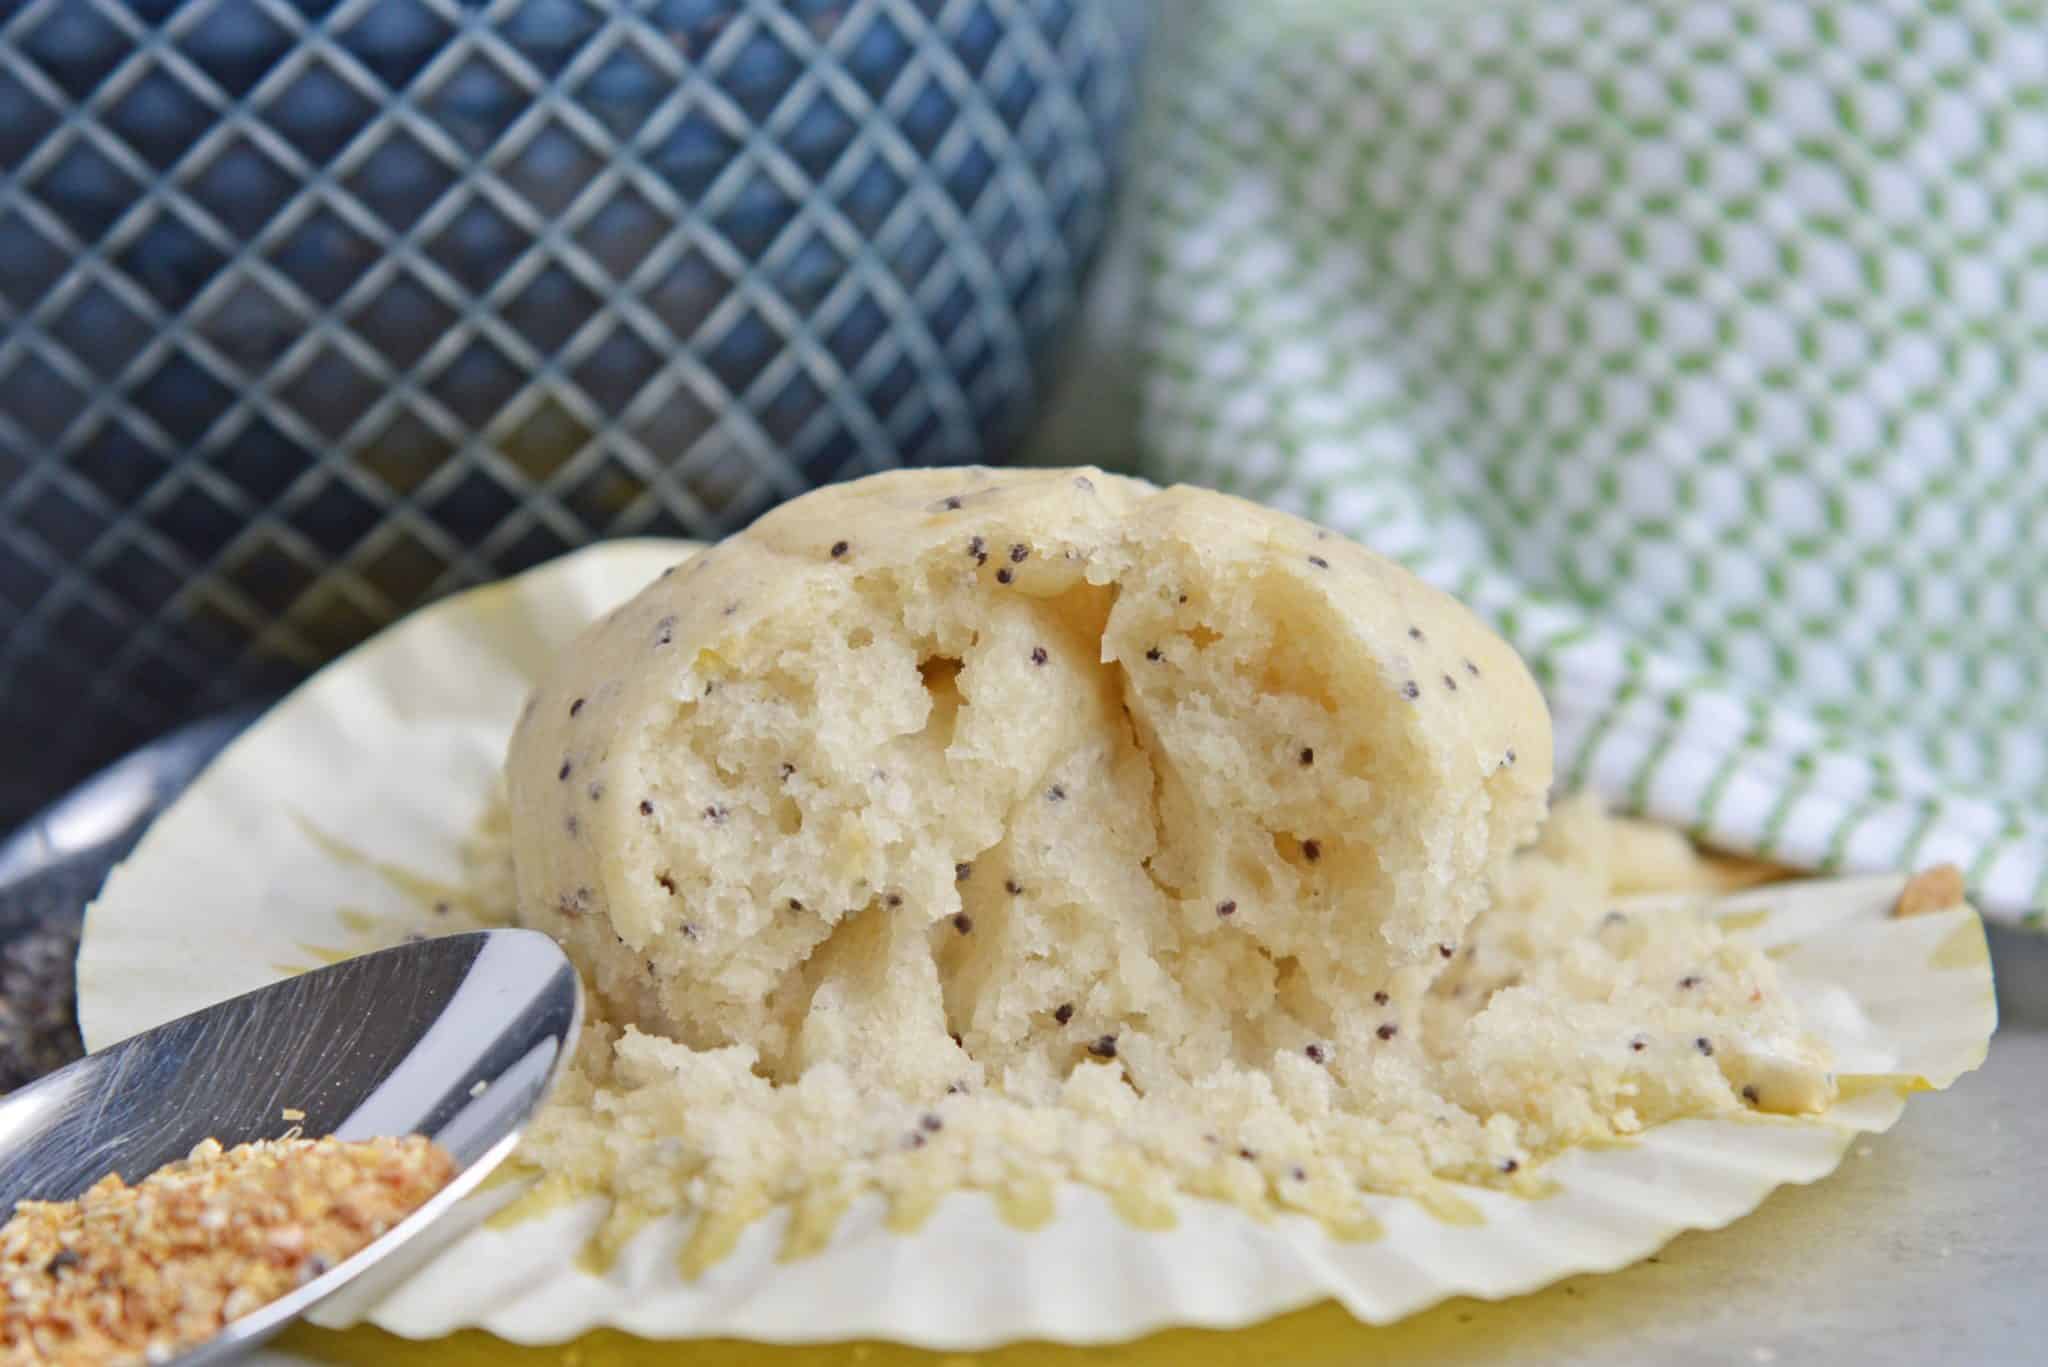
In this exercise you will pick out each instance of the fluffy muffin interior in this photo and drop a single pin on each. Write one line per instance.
(1011, 805)
(952, 829)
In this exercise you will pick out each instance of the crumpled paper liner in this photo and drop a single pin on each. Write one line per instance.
(339, 821)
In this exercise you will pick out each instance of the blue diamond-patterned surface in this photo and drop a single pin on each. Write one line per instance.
(312, 312)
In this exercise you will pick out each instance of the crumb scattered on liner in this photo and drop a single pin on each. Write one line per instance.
(1937, 889)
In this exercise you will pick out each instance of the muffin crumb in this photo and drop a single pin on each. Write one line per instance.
(1346, 846)
(1933, 889)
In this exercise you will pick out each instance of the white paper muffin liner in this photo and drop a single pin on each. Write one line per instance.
(337, 822)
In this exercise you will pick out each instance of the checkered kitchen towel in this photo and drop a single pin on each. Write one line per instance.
(1703, 347)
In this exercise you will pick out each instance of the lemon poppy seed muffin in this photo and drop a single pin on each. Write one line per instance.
(957, 778)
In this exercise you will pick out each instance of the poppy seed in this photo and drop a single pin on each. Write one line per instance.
(1018, 552)
(1750, 1094)
(1704, 1045)
(1450, 683)
(1319, 562)
(1104, 1047)
(1315, 1053)
(962, 872)
(1003, 576)
(839, 548)
(1226, 908)
(1311, 850)
(1064, 1013)
(1510, 1165)
(1415, 633)
(563, 773)
(1388, 1031)
(1038, 655)
(646, 807)
(1472, 669)
(575, 707)
(1380, 999)
(1056, 794)
(1307, 756)
(1013, 887)
(1155, 654)
(1411, 690)
(963, 923)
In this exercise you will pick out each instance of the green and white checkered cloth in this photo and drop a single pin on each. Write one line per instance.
(1702, 347)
